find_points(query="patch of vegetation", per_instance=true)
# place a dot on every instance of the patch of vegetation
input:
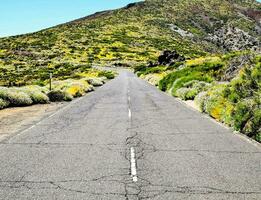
(237, 103)
(15, 97)
(62, 90)
(75, 88)
(3, 104)
(58, 95)
(207, 72)
(191, 89)
(107, 74)
(36, 93)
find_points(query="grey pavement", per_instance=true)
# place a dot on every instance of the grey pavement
(84, 151)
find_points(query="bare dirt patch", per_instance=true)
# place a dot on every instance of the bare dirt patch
(14, 120)
(192, 104)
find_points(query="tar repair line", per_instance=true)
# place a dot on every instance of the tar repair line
(133, 166)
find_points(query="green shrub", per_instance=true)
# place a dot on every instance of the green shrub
(39, 97)
(186, 93)
(37, 88)
(180, 82)
(204, 72)
(14, 97)
(75, 88)
(57, 95)
(198, 85)
(139, 69)
(67, 97)
(190, 84)
(3, 104)
(89, 89)
(36, 93)
(107, 74)
(95, 81)
(200, 101)
(246, 85)
(247, 117)
(191, 89)
(252, 127)
(152, 78)
(217, 106)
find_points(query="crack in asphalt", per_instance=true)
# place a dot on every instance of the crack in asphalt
(143, 190)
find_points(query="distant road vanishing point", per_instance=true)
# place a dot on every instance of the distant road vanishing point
(129, 141)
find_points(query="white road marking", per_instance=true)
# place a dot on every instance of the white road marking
(133, 166)
(129, 113)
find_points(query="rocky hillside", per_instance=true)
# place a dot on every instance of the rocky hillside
(131, 35)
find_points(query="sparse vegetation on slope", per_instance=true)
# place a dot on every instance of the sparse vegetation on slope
(134, 34)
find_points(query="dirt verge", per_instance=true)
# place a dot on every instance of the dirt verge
(14, 120)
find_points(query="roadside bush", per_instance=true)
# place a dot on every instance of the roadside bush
(140, 69)
(57, 95)
(213, 103)
(14, 97)
(37, 88)
(67, 97)
(74, 88)
(152, 78)
(3, 104)
(39, 97)
(247, 84)
(200, 101)
(204, 72)
(90, 88)
(186, 93)
(36, 93)
(219, 108)
(107, 74)
(95, 81)
(247, 117)
(180, 82)
(191, 89)
(198, 85)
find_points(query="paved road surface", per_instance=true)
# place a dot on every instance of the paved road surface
(129, 141)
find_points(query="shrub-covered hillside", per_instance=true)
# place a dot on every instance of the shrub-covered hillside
(134, 34)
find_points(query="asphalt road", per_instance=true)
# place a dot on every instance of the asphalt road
(129, 141)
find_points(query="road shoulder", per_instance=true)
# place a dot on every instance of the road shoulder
(15, 120)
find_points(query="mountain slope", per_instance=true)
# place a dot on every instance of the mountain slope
(134, 34)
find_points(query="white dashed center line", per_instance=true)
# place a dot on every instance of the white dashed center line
(129, 113)
(133, 165)
(132, 151)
